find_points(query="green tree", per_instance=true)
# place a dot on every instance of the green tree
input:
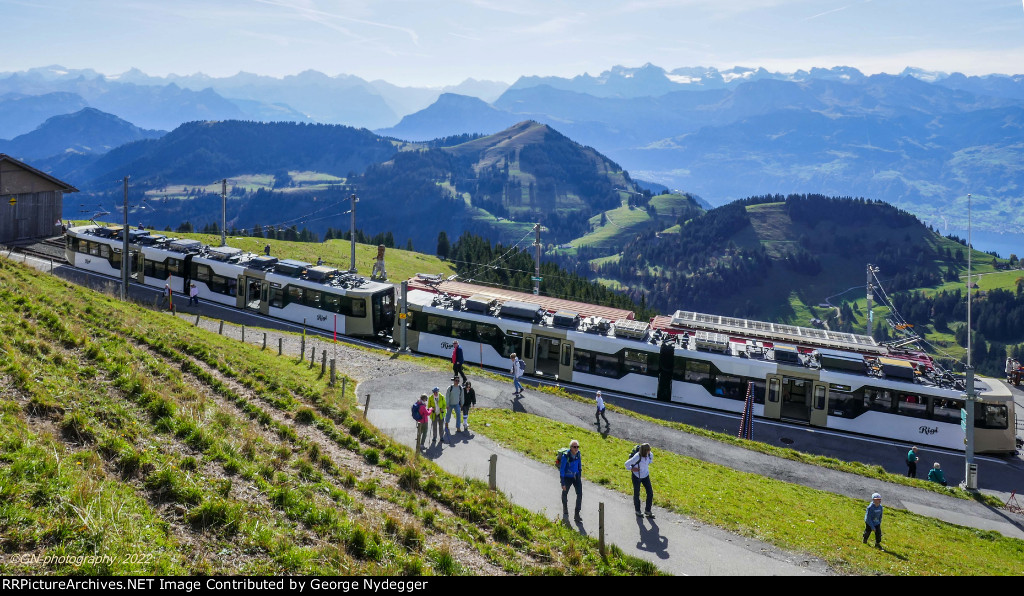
(444, 247)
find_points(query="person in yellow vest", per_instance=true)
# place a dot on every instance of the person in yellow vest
(437, 403)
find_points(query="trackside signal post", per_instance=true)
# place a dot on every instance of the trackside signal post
(124, 246)
(970, 468)
(536, 249)
(352, 228)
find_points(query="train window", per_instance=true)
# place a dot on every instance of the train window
(511, 344)
(819, 397)
(877, 400)
(174, 267)
(201, 272)
(606, 366)
(294, 295)
(845, 404)
(909, 404)
(644, 363)
(437, 325)
(947, 410)
(463, 329)
(487, 334)
(332, 302)
(276, 298)
(698, 371)
(528, 349)
(104, 252)
(990, 416)
(582, 360)
(758, 389)
(223, 285)
(155, 269)
(679, 369)
(357, 307)
(94, 249)
(730, 387)
(313, 298)
(774, 389)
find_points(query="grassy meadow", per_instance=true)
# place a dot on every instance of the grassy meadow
(133, 443)
(791, 516)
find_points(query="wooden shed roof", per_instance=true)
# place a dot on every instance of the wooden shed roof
(64, 186)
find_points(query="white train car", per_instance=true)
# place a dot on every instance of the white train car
(806, 376)
(320, 297)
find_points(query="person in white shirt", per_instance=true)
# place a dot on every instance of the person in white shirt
(600, 411)
(518, 368)
(193, 295)
(639, 465)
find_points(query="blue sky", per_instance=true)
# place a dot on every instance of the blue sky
(435, 42)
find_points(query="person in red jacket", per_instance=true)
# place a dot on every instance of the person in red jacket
(457, 360)
(421, 424)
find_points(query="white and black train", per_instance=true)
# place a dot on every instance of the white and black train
(808, 376)
(321, 297)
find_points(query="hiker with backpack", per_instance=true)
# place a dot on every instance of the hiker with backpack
(600, 411)
(436, 403)
(421, 414)
(639, 464)
(455, 397)
(518, 369)
(457, 361)
(570, 470)
(468, 402)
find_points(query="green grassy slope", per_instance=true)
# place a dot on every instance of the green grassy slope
(134, 443)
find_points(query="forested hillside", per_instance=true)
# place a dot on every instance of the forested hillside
(747, 258)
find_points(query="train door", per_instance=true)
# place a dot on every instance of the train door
(665, 369)
(773, 397)
(796, 399)
(548, 352)
(819, 404)
(529, 340)
(383, 311)
(253, 295)
(565, 361)
(137, 264)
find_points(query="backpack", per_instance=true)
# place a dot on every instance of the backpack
(559, 455)
(416, 411)
(520, 366)
(632, 452)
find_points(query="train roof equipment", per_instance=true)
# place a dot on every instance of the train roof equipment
(320, 273)
(631, 329)
(549, 304)
(224, 253)
(807, 336)
(185, 245)
(291, 267)
(526, 311)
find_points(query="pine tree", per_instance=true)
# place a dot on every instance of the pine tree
(443, 246)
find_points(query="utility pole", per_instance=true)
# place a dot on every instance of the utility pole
(871, 294)
(124, 246)
(224, 212)
(536, 250)
(970, 468)
(352, 229)
(871, 291)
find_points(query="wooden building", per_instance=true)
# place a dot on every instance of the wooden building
(31, 202)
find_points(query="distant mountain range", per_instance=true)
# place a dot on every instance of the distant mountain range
(167, 102)
(279, 173)
(919, 140)
(87, 131)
